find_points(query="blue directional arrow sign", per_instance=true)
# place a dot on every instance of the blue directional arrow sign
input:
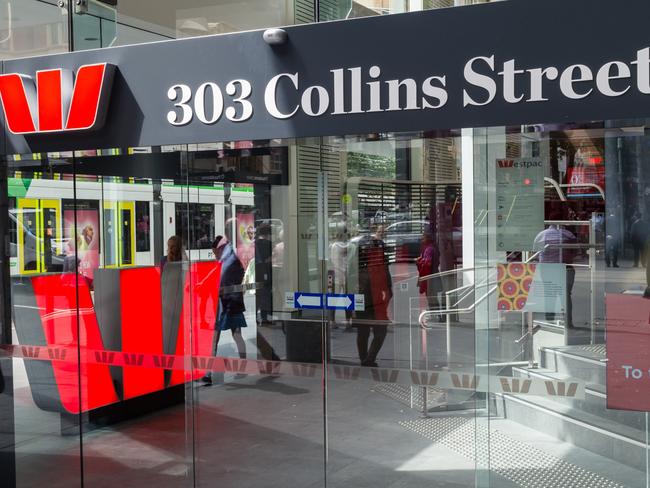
(307, 300)
(334, 301)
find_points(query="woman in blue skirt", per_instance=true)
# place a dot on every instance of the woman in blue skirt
(230, 315)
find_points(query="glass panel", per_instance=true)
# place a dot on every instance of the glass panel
(70, 301)
(39, 391)
(401, 362)
(104, 24)
(259, 411)
(32, 28)
(565, 234)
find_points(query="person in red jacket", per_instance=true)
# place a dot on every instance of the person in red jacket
(377, 287)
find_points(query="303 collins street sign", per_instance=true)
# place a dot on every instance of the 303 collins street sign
(484, 65)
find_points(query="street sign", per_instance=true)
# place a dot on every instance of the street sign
(307, 300)
(334, 301)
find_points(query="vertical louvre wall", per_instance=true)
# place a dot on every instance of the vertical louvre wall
(431, 4)
(303, 11)
(440, 159)
(380, 200)
(310, 160)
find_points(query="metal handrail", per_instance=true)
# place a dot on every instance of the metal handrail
(585, 185)
(444, 273)
(472, 287)
(556, 186)
(426, 313)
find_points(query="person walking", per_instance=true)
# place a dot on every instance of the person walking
(638, 236)
(376, 285)
(230, 315)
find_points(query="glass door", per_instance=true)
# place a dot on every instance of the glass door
(249, 224)
(401, 382)
(38, 229)
(119, 224)
(561, 233)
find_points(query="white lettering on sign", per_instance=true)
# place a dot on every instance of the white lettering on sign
(208, 103)
(360, 90)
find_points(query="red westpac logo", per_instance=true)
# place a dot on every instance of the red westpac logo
(506, 163)
(57, 100)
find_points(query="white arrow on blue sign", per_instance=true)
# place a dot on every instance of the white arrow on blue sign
(334, 301)
(307, 300)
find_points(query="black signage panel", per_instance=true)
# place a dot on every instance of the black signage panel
(513, 62)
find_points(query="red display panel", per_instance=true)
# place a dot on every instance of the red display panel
(203, 280)
(56, 296)
(68, 318)
(141, 315)
(628, 352)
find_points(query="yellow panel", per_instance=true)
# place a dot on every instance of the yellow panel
(22, 204)
(131, 207)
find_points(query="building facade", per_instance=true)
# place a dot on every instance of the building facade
(324, 243)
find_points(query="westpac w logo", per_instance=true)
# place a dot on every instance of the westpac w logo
(506, 163)
(57, 101)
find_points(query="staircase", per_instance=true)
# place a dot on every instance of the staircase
(587, 423)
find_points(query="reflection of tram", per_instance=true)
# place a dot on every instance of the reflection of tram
(111, 223)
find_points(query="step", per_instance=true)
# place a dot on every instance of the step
(594, 402)
(620, 443)
(585, 363)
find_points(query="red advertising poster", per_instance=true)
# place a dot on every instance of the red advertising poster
(245, 237)
(85, 237)
(585, 175)
(628, 352)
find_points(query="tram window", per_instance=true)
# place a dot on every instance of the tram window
(201, 224)
(125, 215)
(142, 226)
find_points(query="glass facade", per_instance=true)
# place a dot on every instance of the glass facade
(459, 307)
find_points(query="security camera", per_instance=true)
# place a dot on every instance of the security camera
(275, 37)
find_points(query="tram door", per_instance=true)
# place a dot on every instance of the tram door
(39, 231)
(119, 229)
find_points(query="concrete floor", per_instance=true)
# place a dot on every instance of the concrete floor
(270, 431)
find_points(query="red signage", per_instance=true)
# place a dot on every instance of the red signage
(628, 352)
(67, 318)
(57, 101)
(582, 179)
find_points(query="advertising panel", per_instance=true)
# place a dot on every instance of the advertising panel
(628, 352)
(531, 287)
(520, 202)
(82, 236)
(245, 237)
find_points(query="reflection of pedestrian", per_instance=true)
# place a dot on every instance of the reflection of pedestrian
(230, 315)
(549, 242)
(428, 263)
(376, 286)
(612, 241)
(645, 261)
(175, 251)
(263, 253)
(142, 232)
(638, 236)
